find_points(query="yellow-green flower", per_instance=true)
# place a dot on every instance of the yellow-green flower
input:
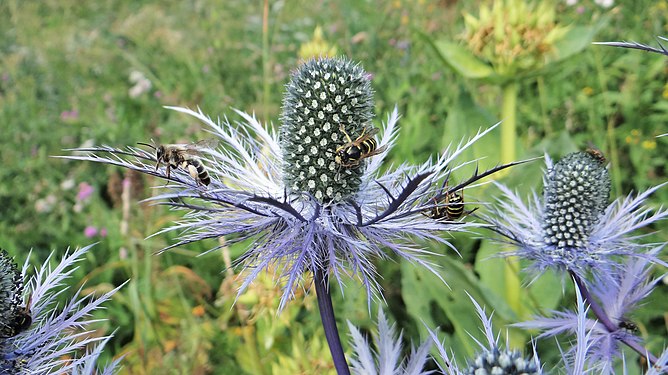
(317, 47)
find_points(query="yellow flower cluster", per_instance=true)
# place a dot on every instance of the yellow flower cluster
(513, 35)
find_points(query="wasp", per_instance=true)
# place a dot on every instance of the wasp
(351, 154)
(18, 320)
(450, 207)
(186, 157)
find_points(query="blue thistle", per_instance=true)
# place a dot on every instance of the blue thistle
(574, 228)
(47, 334)
(306, 210)
(492, 359)
(298, 226)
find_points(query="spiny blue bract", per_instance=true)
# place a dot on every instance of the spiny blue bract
(324, 97)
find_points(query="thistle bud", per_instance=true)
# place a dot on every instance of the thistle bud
(502, 362)
(328, 103)
(577, 190)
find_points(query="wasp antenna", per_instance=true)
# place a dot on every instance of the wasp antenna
(146, 144)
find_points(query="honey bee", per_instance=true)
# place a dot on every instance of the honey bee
(351, 154)
(450, 207)
(18, 321)
(184, 156)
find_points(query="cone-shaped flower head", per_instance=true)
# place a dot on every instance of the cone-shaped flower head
(502, 362)
(574, 228)
(327, 101)
(576, 194)
(309, 199)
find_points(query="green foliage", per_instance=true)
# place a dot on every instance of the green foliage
(76, 73)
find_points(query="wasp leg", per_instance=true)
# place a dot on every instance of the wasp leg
(346, 134)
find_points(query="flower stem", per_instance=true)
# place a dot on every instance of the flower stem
(508, 145)
(329, 322)
(265, 59)
(604, 319)
(509, 124)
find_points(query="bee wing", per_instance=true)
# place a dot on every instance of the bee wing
(209, 143)
(195, 148)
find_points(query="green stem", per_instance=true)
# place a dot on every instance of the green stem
(509, 124)
(265, 60)
(508, 147)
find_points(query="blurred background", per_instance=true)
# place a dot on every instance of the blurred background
(78, 74)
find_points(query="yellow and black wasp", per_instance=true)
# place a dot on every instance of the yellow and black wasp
(450, 207)
(351, 154)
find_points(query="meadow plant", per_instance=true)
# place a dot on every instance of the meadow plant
(39, 337)
(573, 230)
(383, 355)
(307, 210)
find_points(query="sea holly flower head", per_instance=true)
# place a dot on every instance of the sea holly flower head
(47, 333)
(328, 102)
(492, 358)
(573, 228)
(310, 200)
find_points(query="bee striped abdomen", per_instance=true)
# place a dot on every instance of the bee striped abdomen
(202, 174)
(196, 169)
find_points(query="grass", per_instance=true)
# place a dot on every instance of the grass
(65, 81)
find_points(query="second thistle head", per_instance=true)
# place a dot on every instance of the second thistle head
(577, 190)
(328, 106)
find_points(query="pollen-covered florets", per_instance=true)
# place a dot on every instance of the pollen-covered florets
(577, 190)
(502, 362)
(327, 101)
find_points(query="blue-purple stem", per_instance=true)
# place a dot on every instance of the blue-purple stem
(604, 319)
(329, 322)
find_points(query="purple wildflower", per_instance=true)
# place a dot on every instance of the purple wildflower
(85, 191)
(286, 191)
(90, 231)
(573, 228)
(37, 334)
(307, 209)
